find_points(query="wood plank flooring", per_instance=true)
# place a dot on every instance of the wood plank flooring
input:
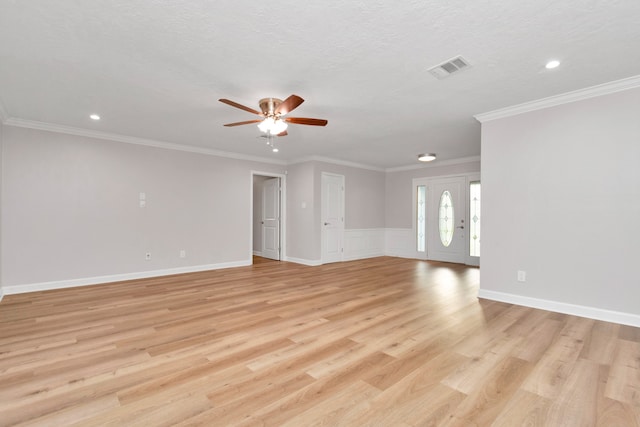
(377, 342)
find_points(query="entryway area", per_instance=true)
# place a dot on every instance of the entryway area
(447, 218)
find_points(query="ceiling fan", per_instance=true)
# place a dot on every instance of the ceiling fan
(272, 112)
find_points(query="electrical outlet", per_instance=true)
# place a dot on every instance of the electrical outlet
(183, 254)
(147, 256)
(522, 276)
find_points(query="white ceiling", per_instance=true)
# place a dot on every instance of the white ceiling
(155, 69)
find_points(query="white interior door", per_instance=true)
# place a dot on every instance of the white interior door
(271, 219)
(446, 216)
(332, 217)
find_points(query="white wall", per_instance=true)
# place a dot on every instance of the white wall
(1, 191)
(70, 209)
(71, 215)
(561, 201)
(303, 244)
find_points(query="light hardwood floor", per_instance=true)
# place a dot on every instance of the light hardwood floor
(377, 342)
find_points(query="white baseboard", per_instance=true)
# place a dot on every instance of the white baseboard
(309, 262)
(1, 294)
(257, 253)
(61, 284)
(561, 307)
(361, 256)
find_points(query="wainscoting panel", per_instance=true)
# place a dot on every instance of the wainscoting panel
(399, 242)
(364, 243)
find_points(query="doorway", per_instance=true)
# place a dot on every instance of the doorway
(441, 219)
(267, 215)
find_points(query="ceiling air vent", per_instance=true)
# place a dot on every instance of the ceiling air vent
(449, 67)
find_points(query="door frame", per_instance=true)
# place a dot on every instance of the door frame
(283, 211)
(274, 186)
(427, 180)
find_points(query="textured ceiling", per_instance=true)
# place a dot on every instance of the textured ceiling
(155, 69)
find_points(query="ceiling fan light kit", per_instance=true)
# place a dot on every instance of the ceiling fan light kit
(272, 125)
(272, 112)
(427, 157)
(554, 63)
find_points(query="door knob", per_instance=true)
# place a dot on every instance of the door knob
(326, 223)
(462, 226)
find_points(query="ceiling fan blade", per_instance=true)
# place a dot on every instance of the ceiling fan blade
(283, 133)
(305, 121)
(289, 104)
(248, 122)
(240, 106)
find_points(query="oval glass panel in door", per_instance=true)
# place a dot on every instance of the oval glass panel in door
(445, 218)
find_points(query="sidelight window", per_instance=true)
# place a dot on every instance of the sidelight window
(421, 218)
(474, 215)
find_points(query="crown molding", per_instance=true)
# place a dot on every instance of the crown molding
(32, 124)
(89, 133)
(436, 163)
(565, 98)
(335, 162)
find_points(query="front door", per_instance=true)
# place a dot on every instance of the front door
(271, 219)
(332, 217)
(445, 226)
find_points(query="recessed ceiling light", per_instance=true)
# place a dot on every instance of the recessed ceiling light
(275, 150)
(94, 117)
(427, 157)
(552, 64)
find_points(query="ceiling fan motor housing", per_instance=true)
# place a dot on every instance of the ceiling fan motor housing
(268, 106)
